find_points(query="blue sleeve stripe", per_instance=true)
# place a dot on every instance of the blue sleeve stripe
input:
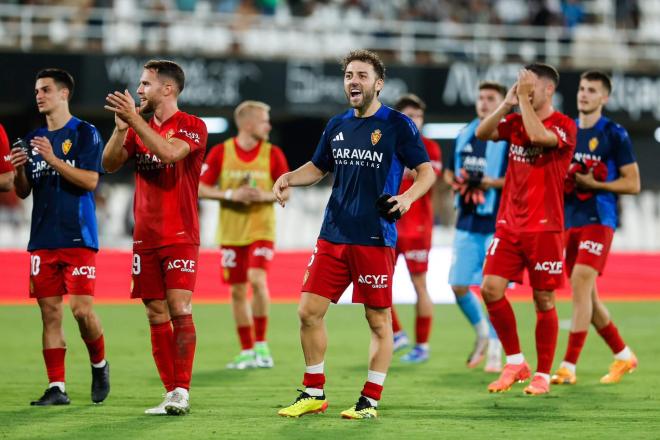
(87, 219)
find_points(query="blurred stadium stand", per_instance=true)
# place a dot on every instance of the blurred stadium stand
(285, 52)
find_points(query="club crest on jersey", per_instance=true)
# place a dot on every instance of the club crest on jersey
(375, 136)
(169, 134)
(593, 144)
(66, 146)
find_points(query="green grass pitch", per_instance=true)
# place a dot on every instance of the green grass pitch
(439, 399)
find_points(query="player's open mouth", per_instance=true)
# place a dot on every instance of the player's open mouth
(355, 93)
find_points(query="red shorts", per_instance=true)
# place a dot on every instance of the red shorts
(416, 252)
(541, 253)
(333, 267)
(157, 270)
(589, 245)
(236, 260)
(56, 272)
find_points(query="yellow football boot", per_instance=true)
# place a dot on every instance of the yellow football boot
(305, 404)
(361, 410)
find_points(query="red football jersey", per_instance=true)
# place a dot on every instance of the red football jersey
(419, 220)
(213, 163)
(5, 162)
(533, 194)
(165, 204)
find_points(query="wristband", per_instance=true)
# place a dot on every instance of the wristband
(227, 195)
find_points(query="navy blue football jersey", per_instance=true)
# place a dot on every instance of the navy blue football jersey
(367, 156)
(609, 143)
(63, 214)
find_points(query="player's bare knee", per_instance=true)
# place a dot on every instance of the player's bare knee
(379, 320)
(309, 317)
(544, 300)
(81, 313)
(459, 291)
(491, 292)
(239, 292)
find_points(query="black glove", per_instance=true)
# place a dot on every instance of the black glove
(474, 179)
(384, 207)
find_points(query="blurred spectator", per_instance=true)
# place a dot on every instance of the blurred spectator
(573, 11)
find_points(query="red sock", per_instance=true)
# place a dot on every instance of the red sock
(575, 344)
(423, 328)
(396, 325)
(260, 326)
(612, 337)
(162, 348)
(372, 390)
(96, 349)
(547, 329)
(504, 320)
(245, 336)
(185, 341)
(54, 358)
(314, 380)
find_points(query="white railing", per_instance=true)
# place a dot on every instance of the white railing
(30, 28)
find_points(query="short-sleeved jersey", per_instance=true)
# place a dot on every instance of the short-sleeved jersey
(609, 143)
(470, 154)
(5, 158)
(533, 194)
(418, 222)
(367, 156)
(165, 204)
(63, 214)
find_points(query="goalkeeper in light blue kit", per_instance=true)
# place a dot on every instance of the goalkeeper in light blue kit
(476, 172)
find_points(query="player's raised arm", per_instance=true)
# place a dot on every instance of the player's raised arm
(487, 128)
(167, 150)
(306, 175)
(114, 153)
(538, 134)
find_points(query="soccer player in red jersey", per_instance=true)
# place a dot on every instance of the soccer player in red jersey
(530, 221)
(591, 218)
(61, 169)
(168, 152)
(240, 173)
(6, 168)
(415, 231)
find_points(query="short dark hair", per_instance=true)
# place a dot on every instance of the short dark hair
(597, 75)
(366, 56)
(410, 100)
(170, 69)
(61, 77)
(493, 85)
(543, 70)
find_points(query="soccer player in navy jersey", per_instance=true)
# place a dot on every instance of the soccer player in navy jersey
(367, 148)
(61, 171)
(591, 217)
